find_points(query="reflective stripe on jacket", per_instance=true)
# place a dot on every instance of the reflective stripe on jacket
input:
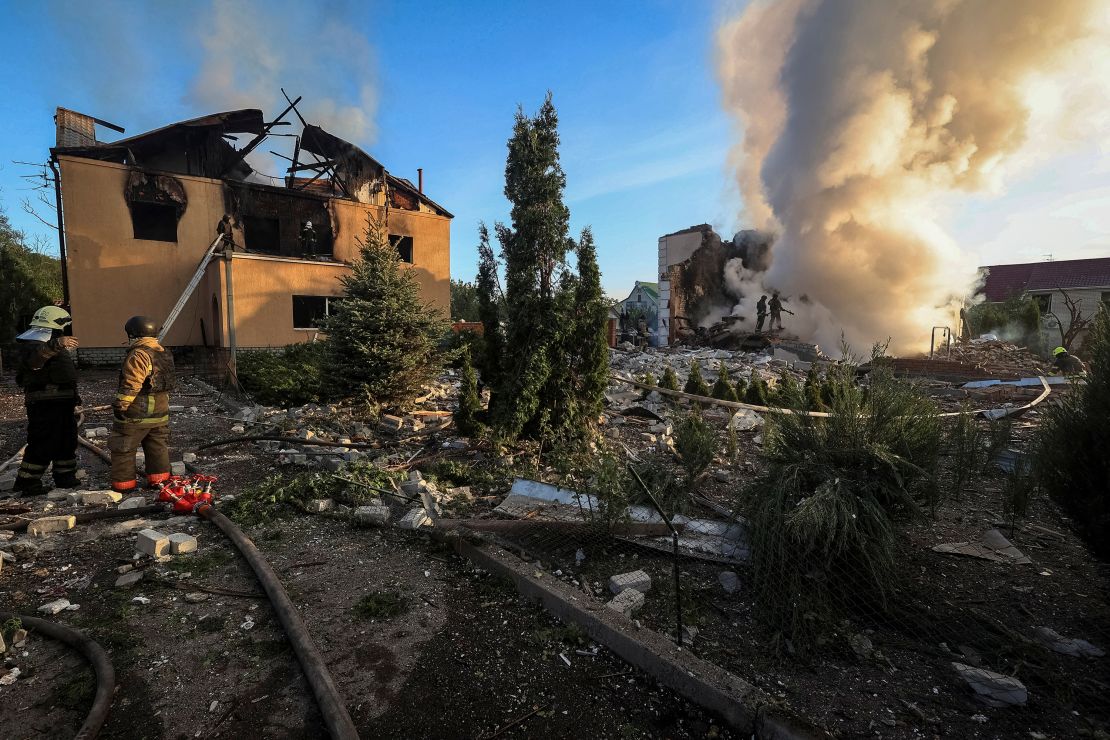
(145, 380)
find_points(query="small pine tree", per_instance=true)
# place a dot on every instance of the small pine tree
(696, 442)
(695, 384)
(670, 379)
(788, 394)
(647, 379)
(740, 389)
(756, 393)
(812, 390)
(466, 418)
(382, 340)
(722, 389)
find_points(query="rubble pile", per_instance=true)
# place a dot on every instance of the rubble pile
(999, 358)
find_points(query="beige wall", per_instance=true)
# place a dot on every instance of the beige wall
(114, 276)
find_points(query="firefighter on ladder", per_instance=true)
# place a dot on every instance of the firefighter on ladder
(48, 377)
(142, 408)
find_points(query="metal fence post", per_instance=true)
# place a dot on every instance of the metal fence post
(674, 539)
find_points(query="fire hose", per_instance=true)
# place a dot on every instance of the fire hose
(102, 666)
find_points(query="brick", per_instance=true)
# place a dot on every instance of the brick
(49, 524)
(95, 498)
(627, 602)
(414, 519)
(318, 505)
(372, 516)
(152, 542)
(393, 423)
(181, 543)
(129, 579)
(132, 503)
(637, 580)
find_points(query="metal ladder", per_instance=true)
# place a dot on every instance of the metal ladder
(189, 289)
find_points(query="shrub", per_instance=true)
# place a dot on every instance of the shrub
(812, 391)
(1070, 452)
(788, 394)
(466, 417)
(661, 481)
(756, 392)
(695, 384)
(292, 377)
(670, 379)
(966, 445)
(696, 443)
(824, 512)
(741, 389)
(722, 389)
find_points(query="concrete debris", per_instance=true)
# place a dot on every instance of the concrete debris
(320, 505)
(19, 638)
(196, 597)
(992, 545)
(189, 457)
(132, 503)
(140, 600)
(152, 542)
(95, 498)
(178, 468)
(10, 677)
(96, 432)
(55, 607)
(181, 543)
(730, 582)
(129, 579)
(1067, 646)
(637, 579)
(3, 645)
(50, 524)
(238, 429)
(744, 420)
(627, 602)
(993, 689)
(374, 515)
(862, 646)
(414, 519)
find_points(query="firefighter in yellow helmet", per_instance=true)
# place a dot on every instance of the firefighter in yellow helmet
(48, 376)
(142, 407)
(1066, 363)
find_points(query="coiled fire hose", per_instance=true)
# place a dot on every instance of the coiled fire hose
(105, 674)
(334, 711)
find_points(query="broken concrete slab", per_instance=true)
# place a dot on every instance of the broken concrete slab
(50, 524)
(637, 579)
(627, 602)
(132, 503)
(181, 543)
(1065, 645)
(129, 579)
(55, 607)
(152, 542)
(178, 468)
(729, 581)
(414, 519)
(373, 515)
(991, 546)
(95, 498)
(993, 689)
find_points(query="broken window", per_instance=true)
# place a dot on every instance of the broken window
(404, 247)
(261, 234)
(156, 222)
(309, 309)
(1106, 301)
(1044, 302)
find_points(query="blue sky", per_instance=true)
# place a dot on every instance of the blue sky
(645, 140)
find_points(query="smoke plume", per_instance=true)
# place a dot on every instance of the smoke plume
(862, 118)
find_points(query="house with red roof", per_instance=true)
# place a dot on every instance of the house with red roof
(1086, 281)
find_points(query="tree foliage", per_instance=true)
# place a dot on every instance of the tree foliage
(29, 280)
(722, 389)
(1070, 460)
(382, 339)
(695, 383)
(464, 301)
(552, 320)
(466, 418)
(670, 379)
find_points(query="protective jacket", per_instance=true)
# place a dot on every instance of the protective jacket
(1069, 364)
(46, 372)
(145, 382)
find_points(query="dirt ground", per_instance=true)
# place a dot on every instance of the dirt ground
(197, 650)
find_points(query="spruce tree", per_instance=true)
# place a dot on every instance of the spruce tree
(722, 389)
(588, 350)
(740, 388)
(756, 393)
(788, 394)
(490, 303)
(670, 379)
(695, 384)
(812, 390)
(470, 405)
(382, 343)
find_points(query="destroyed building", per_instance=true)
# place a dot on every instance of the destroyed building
(139, 215)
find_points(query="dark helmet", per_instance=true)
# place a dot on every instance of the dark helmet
(141, 326)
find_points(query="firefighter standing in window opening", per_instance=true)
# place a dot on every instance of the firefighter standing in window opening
(142, 407)
(48, 377)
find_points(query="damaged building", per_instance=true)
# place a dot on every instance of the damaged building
(141, 213)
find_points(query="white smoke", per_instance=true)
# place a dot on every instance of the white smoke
(860, 117)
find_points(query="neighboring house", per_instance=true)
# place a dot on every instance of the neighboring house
(141, 212)
(1086, 281)
(641, 303)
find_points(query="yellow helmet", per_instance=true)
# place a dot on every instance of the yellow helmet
(51, 317)
(1058, 351)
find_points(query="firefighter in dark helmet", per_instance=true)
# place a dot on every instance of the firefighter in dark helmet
(48, 377)
(142, 407)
